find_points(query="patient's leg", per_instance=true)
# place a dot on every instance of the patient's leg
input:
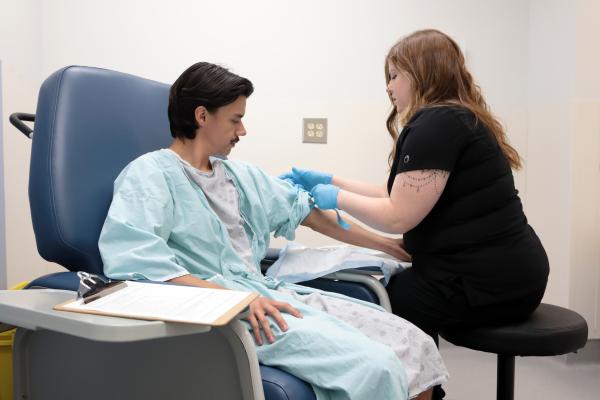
(417, 351)
(336, 359)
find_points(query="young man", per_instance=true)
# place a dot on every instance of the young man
(186, 215)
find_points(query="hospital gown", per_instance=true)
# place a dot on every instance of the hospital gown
(160, 226)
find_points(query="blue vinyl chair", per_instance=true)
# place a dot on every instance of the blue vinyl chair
(89, 124)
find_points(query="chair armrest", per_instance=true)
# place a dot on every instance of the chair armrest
(362, 276)
(270, 258)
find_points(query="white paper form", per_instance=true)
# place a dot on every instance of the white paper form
(166, 302)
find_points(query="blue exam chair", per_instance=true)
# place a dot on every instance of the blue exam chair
(89, 124)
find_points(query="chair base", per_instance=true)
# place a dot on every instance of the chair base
(550, 330)
(505, 378)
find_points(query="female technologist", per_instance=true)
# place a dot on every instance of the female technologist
(450, 191)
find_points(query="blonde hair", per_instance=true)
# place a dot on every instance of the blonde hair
(436, 68)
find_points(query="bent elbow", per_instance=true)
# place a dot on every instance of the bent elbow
(402, 225)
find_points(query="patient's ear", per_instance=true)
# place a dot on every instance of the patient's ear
(200, 115)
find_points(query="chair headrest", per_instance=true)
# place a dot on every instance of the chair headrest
(90, 123)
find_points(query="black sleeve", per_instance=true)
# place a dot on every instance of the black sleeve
(434, 139)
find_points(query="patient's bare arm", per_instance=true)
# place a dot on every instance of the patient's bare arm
(191, 280)
(325, 222)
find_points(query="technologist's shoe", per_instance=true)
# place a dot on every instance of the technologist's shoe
(438, 393)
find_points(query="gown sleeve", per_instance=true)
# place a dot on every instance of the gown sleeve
(285, 205)
(133, 241)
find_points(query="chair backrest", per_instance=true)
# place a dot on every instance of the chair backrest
(89, 124)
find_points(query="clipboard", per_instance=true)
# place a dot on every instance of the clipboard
(158, 302)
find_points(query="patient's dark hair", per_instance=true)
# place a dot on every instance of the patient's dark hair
(202, 84)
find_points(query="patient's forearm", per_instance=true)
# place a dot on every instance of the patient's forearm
(325, 222)
(191, 280)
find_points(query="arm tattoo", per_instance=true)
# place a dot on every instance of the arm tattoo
(417, 182)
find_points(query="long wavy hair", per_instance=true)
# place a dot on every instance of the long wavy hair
(436, 69)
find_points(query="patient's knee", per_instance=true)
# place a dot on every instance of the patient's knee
(384, 370)
(383, 361)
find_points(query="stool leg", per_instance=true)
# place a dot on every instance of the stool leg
(505, 380)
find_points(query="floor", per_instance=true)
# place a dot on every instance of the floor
(473, 376)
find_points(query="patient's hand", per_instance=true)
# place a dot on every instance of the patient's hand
(263, 307)
(396, 249)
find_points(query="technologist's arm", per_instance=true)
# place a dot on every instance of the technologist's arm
(325, 222)
(358, 187)
(413, 196)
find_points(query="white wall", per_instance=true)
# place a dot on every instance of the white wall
(325, 59)
(307, 59)
(551, 84)
(585, 160)
(21, 61)
(563, 170)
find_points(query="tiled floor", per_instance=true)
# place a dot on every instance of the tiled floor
(473, 377)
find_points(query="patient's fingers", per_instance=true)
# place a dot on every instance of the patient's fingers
(403, 255)
(259, 309)
(288, 308)
(264, 322)
(399, 250)
(276, 315)
(255, 328)
(263, 307)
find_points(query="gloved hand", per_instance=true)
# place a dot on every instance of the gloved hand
(306, 178)
(325, 196)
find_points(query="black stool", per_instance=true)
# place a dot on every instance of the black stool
(549, 331)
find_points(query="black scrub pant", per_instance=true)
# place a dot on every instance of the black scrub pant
(420, 301)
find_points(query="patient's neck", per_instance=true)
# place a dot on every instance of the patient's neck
(193, 152)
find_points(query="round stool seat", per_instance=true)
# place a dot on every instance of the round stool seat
(550, 330)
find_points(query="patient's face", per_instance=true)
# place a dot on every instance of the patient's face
(223, 128)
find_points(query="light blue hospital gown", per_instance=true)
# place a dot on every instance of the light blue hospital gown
(161, 226)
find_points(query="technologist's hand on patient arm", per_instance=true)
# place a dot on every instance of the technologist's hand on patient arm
(259, 310)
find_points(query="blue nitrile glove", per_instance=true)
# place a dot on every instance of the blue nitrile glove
(325, 196)
(307, 178)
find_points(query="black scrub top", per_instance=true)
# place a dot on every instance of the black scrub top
(476, 238)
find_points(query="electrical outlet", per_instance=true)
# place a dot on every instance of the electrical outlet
(314, 130)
